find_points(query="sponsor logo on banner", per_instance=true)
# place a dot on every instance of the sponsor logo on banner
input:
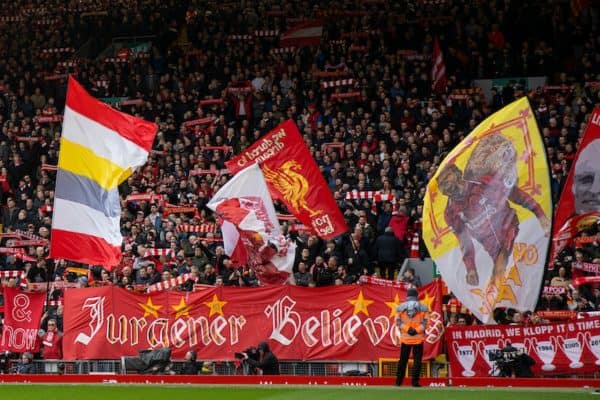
(358, 323)
(486, 214)
(559, 348)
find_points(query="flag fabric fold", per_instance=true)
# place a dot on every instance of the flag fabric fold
(438, 69)
(308, 34)
(486, 214)
(294, 178)
(251, 232)
(100, 147)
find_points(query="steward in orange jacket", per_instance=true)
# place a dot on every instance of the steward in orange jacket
(411, 318)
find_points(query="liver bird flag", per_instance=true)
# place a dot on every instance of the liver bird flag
(486, 217)
(99, 148)
(294, 178)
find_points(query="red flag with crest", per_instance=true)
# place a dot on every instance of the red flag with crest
(294, 178)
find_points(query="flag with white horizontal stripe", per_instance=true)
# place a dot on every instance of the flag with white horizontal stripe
(99, 148)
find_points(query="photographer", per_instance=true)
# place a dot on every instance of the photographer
(513, 362)
(523, 364)
(267, 362)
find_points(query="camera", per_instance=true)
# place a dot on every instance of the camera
(504, 361)
(253, 354)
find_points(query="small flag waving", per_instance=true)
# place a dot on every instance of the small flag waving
(251, 233)
(438, 70)
(308, 34)
(99, 149)
(581, 193)
(486, 214)
(294, 178)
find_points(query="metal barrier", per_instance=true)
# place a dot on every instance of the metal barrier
(305, 368)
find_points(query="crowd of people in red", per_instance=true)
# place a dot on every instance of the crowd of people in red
(215, 79)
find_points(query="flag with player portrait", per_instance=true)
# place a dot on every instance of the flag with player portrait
(581, 193)
(486, 217)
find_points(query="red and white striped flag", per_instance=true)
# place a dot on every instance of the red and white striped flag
(438, 69)
(308, 34)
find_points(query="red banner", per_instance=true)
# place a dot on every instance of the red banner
(581, 193)
(294, 178)
(23, 312)
(355, 323)
(558, 348)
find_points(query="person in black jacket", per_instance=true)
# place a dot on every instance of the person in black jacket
(191, 366)
(389, 253)
(267, 362)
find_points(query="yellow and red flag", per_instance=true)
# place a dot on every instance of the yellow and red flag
(294, 178)
(486, 217)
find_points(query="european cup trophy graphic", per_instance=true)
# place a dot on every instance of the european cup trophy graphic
(466, 356)
(545, 350)
(593, 343)
(573, 348)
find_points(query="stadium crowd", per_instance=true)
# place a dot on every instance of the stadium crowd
(220, 63)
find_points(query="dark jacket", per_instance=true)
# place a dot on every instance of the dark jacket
(268, 363)
(388, 249)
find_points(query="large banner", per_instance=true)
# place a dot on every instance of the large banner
(560, 348)
(581, 193)
(486, 214)
(22, 315)
(294, 178)
(333, 323)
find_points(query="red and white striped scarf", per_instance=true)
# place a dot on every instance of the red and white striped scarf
(376, 196)
(283, 50)
(338, 83)
(266, 33)
(159, 252)
(169, 284)
(202, 228)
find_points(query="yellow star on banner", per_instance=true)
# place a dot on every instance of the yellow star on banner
(216, 306)
(393, 305)
(428, 300)
(149, 308)
(361, 304)
(182, 309)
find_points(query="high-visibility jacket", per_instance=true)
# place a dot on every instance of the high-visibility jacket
(412, 314)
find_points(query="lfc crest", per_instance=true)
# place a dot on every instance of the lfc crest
(292, 185)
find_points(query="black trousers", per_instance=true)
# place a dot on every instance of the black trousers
(417, 352)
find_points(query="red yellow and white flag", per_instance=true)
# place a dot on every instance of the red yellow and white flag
(486, 217)
(99, 148)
